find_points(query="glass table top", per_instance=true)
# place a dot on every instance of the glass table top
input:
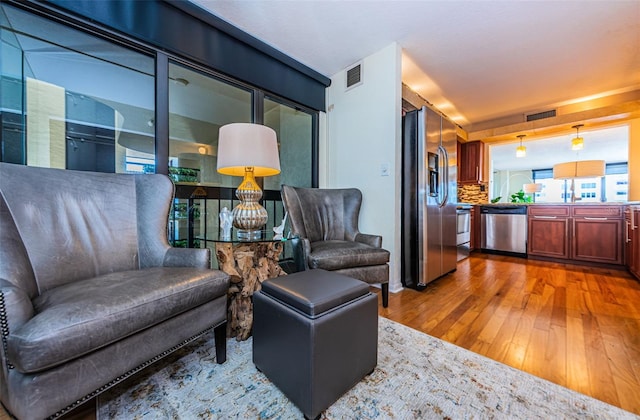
(263, 236)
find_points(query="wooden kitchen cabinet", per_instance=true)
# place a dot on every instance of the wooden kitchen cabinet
(597, 234)
(578, 233)
(549, 231)
(471, 162)
(632, 240)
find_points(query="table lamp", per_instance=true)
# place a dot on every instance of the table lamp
(248, 150)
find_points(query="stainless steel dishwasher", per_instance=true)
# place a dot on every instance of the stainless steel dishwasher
(503, 229)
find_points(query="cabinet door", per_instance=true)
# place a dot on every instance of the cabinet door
(471, 162)
(598, 239)
(634, 245)
(548, 237)
(628, 239)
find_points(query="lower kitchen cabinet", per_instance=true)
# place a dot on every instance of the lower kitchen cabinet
(632, 240)
(549, 238)
(548, 231)
(581, 233)
(597, 234)
(597, 240)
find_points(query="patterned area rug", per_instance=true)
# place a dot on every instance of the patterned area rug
(418, 376)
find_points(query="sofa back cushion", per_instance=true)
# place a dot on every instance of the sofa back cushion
(74, 225)
(323, 214)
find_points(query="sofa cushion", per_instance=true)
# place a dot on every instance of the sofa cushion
(80, 317)
(334, 255)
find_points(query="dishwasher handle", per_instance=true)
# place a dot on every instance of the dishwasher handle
(503, 210)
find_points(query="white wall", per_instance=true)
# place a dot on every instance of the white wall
(634, 160)
(361, 132)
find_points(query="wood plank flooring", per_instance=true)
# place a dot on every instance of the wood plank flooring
(575, 326)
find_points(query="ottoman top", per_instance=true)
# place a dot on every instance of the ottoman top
(315, 291)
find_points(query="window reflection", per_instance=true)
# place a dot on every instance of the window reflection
(88, 101)
(294, 130)
(198, 106)
(613, 187)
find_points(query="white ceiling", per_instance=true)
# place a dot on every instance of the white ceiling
(476, 60)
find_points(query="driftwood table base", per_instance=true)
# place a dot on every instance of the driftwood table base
(248, 264)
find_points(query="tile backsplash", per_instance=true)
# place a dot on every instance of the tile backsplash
(473, 193)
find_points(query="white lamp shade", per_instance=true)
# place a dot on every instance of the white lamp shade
(579, 169)
(242, 145)
(532, 188)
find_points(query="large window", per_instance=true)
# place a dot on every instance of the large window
(612, 187)
(71, 100)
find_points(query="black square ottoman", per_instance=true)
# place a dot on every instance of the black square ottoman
(315, 335)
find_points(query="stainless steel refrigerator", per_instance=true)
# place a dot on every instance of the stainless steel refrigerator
(429, 197)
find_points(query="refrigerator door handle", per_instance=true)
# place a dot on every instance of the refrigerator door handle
(444, 180)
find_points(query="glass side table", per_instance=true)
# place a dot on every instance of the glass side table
(249, 262)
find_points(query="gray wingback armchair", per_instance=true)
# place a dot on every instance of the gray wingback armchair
(90, 290)
(325, 221)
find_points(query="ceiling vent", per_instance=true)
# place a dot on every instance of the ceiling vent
(541, 115)
(354, 76)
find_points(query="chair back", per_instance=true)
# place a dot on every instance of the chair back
(68, 225)
(323, 214)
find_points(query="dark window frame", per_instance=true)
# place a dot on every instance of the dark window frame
(78, 15)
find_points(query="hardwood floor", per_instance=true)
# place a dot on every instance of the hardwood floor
(573, 325)
(576, 326)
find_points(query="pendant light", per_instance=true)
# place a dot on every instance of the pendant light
(578, 142)
(521, 151)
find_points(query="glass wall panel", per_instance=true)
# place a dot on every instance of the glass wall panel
(198, 106)
(72, 100)
(294, 129)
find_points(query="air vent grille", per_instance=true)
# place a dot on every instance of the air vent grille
(541, 115)
(354, 75)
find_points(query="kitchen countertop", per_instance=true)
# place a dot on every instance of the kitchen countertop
(629, 203)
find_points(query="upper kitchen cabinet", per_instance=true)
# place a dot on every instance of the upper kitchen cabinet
(471, 162)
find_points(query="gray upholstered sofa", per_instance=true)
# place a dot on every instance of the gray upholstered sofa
(90, 290)
(325, 225)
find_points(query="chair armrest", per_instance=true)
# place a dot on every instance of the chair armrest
(187, 257)
(15, 306)
(301, 248)
(372, 240)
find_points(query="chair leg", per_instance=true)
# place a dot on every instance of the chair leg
(385, 295)
(220, 337)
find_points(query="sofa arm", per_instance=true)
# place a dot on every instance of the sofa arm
(187, 257)
(15, 307)
(371, 240)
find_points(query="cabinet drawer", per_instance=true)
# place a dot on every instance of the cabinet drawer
(597, 211)
(548, 211)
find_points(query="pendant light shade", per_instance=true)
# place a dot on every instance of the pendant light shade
(521, 151)
(579, 169)
(578, 142)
